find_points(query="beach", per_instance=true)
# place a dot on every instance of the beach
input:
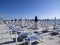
(26, 30)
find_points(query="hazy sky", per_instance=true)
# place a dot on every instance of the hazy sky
(29, 8)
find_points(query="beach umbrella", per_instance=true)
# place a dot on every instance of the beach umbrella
(47, 23)
(36, 20)
(54, 23)
(11, 20)
(15, 20)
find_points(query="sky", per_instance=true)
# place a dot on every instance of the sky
(11, 9)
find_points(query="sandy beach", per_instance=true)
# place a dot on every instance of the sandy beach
(46, 37)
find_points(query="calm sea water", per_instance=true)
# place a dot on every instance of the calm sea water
(50, 21)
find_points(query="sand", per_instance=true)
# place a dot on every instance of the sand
(47, 39)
